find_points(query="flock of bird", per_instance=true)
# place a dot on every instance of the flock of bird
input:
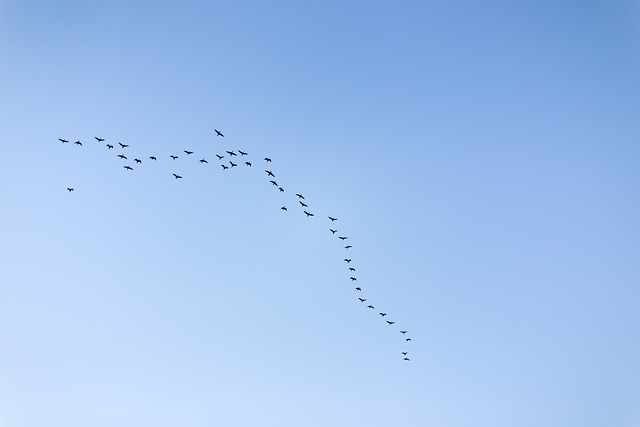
(226, 163)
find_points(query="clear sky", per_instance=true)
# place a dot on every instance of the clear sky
(482, 157)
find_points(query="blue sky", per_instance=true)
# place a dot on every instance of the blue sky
(482, 158)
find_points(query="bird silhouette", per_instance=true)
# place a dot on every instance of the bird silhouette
(333, 231)
(78, 143)
(62, 140)
(188, 152)
(342, 237)
(122, 156)
(362, 299)
(203, 161)
(247, 163)
(153, 158)
(352, 269)
(348, 260)
(128, 167)
(353, 279)
(123, 145)
(176, 176)
(233, 165)
(137, 160)
(300, 196)
(408, 339)
(281, 189)
(173, 157)
(403, 332)
(231, 153)
(348, 247)
(407, 359)
(358, 289)
(224, 167)
(218, 133)
(109, 146)
(383, 314)
(390, 322)
(99, 139)
(266, 159)
(308, 214)
(274, 183)
(284, 208)
(269, 173)
(303, 204)
(242, 153)
(219, 157)
(370, 306)
(69, 189)
(333, 219)
(404, 353)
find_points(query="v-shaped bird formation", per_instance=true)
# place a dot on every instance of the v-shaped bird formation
(226, 165)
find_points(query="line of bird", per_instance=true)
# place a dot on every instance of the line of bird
(270, 175)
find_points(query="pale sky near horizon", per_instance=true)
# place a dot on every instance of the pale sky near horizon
(483, 159)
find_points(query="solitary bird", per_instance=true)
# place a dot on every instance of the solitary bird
(303, 204)
(137, 160)
(177, 176)
(99, 139)
(308, 214)
(333, 219)
(153, 158)
(247, 163)
(267, 159)
(69, 189)
(123, 145)
(173, 157)
(109, 146)
(390, 322)
(358, 289)
(284, 208)
(233, 164)
(122, 156)
(353, 279)
(203, 161)
(342, 237)
(383, 314)
(242, 153)
(78, 143)
(128, 167)
(218, 133)
(219, 157)
(231, 153)
(269, 173)
(300, 196)
(188, 152)
(348, 247)
(333, 231)
(348, 260)
(62, 140)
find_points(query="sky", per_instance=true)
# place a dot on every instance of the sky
(483, 159)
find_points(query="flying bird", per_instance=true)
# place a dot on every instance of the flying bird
(348, 260)
(128, 167)
(358, 289)
(281, 189)
(177, 176)
(242, 153)
(188, 152)
(383, 314)
(404, 353)
(348, 247)
(99, 139)
(308, 214)
(302, 204)
(333, 219)
(407, 359)
(353, 279)
(219, 157)
(78, 143)
(408, 339)
(231, 153)
(274, 183)
(333, 231)
(370, 306)
(224, 167)
(109, 146)
(218, 133)
(352, 269)
(267, 159)
(362, 299)
(62, 140)
(203, 161)
(232, 164)
(284, 208)
(390, 322)
(403, 332)
(342, 237)
(269, 173)
(137, 160)
(153, 158)
(122, 156)
(247, 163)
(123, 145)
(300, 196)
(69, 189)
(173, 157)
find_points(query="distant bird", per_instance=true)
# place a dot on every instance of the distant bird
(69, 189)
(122, 156)
(358, 289)
(362, 299)
(269, 173)
(333, 231)
(408, 339)
(303, 204)
(99, 139)
(383, 314)
(333, 219)
(188, 152)
(123, 145)
(173, 157)
(219, 157)
(403, 332)
(274, 183)
(281, 189)
(224, 167)
(348, 247)
(247, 163)
(128, 167)
(203, 161)
(407, 359)
(109, 146)
(284, 208)
(390, 322)
(370, 306)
(218, 133)
(353, 279)
(242, 153)
(78, 143)
(153, 158)
(177, 176)
(231, 153)
(137, 160)
(348, 260)
(342, 237)
(62, 140)
(300, 196)
(308, 214)
(232, 164)
(267, 159)
(352, 269)
(404, 353)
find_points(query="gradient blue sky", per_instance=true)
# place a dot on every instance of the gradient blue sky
(482, 157)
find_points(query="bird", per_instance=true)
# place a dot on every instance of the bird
(403, 332)
(242, 153)
(62, 140)
(78, 143)
(348, 247)
(123, 145)
(188, 152)
(353, 279)
(173, 157)
(333, 231)
(362, 299)
(218, 133)
(109, 146)
(137, 160)
(404, 353)
(231, 153)
(274, 183)
(342, 237)
(122, 156)
(348, 260)
(407, 359)
(383, 314)
(232, 164)
(177, 176)
(284, 208)
(128, 167)
(247, 163)
(99, 139)
(281, 189)
(390, 322)
(224, 167)
(333, 219)
(352, 269)
(203, 161)
(69, 189)
(219, 157)
(370, 306)
(308, 214)
(302, 204)
(408, 339)
(153, 158)
(358, 289)
(267, 159)
(300, 196)
(269, 173)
